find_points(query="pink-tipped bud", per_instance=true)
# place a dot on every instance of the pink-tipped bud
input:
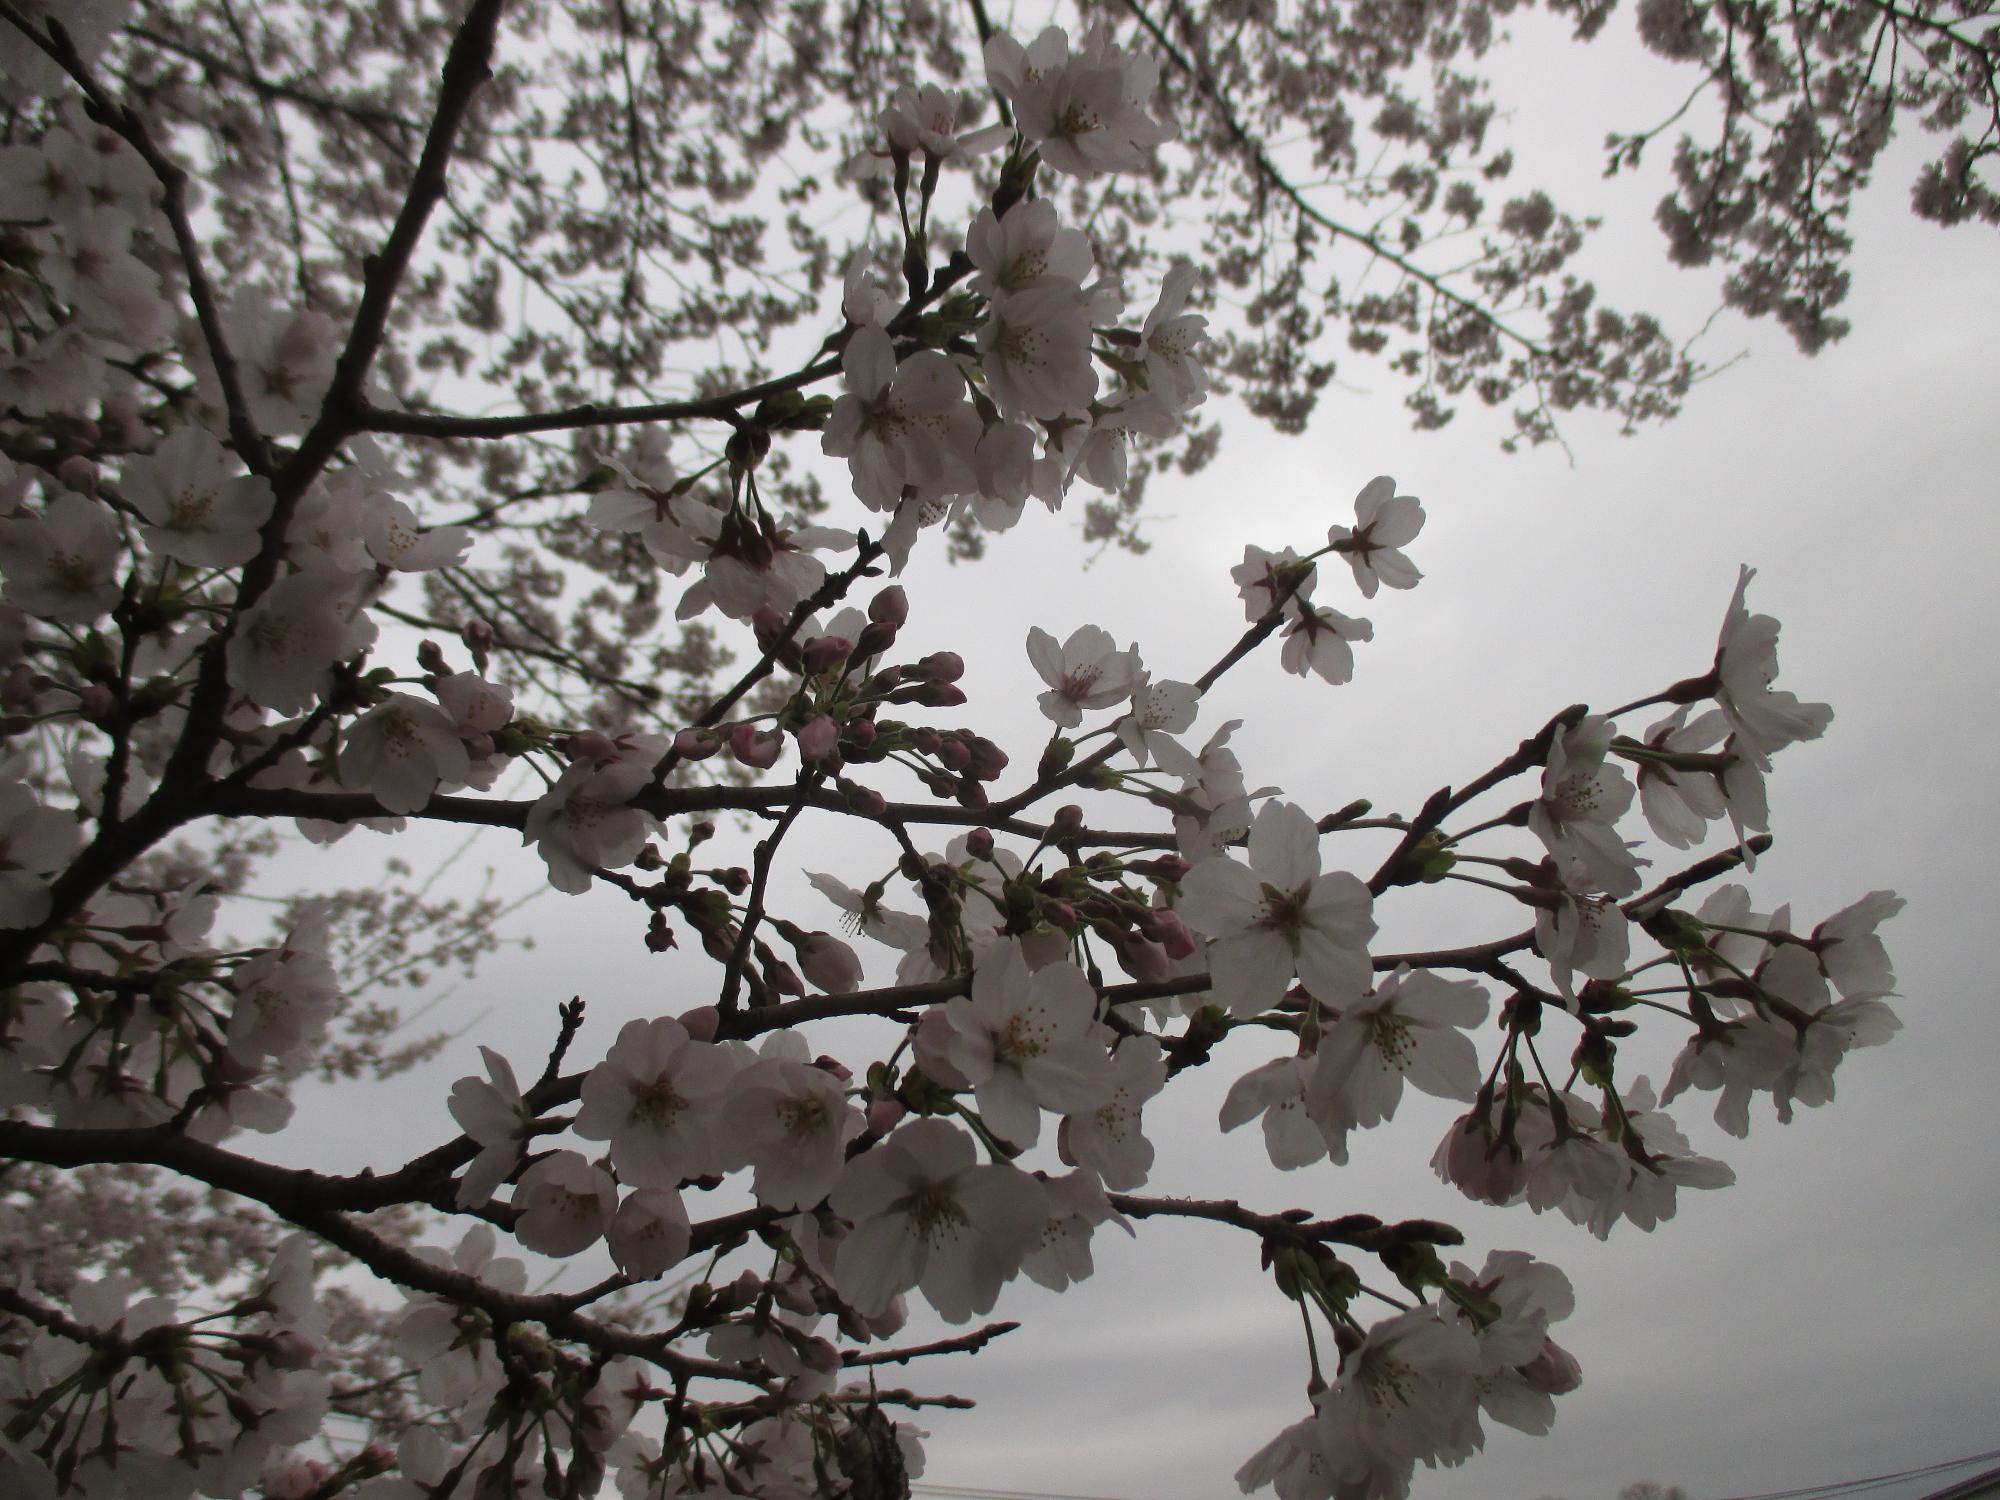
(825, 652)
(96, 702)
(1143, 959)
(864, 799)
(954, 754)
(783, 978)
(860, 733)
(940, 666)
(754, 747)
(925, 740)
(696, 744)
(939, 695)
(834, 1067)
(818, 738)
(1554, 1371)
(890, 606)
(1067, 822)
(884, 1115)
(979, 843)
(1171, 932)
(988, 759)
(430, 656)
(768, 625)
(701, 1022)
(478, 637)
(828, 963)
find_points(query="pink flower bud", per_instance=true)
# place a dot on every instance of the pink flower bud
(754, 747)
(1143, 959)
(874, 640)
(430, 656)
(783, 978)
(979, 843)
(696, 744)
(592, 745)
(794, 1294)
(925, 740)
(1067, 822)
(96, 702)
(939, 695)
(940, 666)
(1554, 1371)
(890, 606)
(828, 963)
(954, 755)
(833, 1066)
(824, 653)
(701, 1022)
(884, 1115)
(768, 625)
(864, 799)
(478, 636)
(1174, 935)
(861, 733)
(988, 759)
(818, 738)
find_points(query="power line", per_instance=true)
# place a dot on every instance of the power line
(1839, 1488)
(1876, 1481)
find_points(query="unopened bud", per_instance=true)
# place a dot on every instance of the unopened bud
(890, 606)
(979, 843)
(818, 738)
(96, 702)
(864, 799)
(430, 656)
(701, 1022)
(940, 666)
(1067, 822)
(754, 747)
(696, 744)
(884, 1115)
(824, 653)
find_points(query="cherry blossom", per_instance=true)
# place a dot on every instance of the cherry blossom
(1294, 1136)
(62, 563)
(1384, 523)
(1025, 1041)
(1085, 671)
(1410, 1026)
(200, 511)
(656, 1098)
(901, 424)
(1766, 719)
(792, 1121)
(402, 750)
(926, 1215)
(1279, 917)
(1576, 816)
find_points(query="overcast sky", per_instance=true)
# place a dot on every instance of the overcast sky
(1832, 1315)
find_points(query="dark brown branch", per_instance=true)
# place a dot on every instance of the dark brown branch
(965, 1343)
